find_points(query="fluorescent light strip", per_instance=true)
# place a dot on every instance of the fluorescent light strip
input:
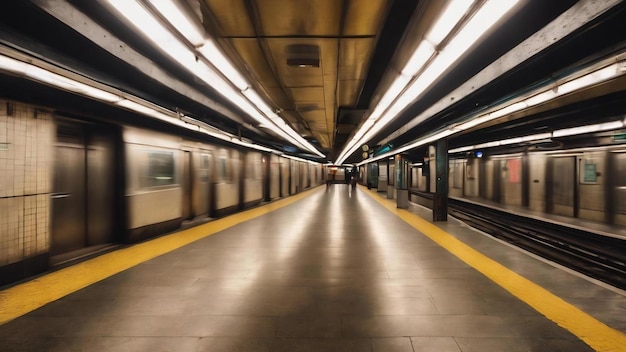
(300, 159)
(131, 103)
(597, 76)
(555, 134)
(482, 20)
(53, 79)
(607, 126)
(507, 156)
(213, 54)
(251, 95)
(529, 138)
(453, 13)
(145, 22)
(600, 127)
(178, 18)
(154, 112)
(217, 59)
(212, 131)
(461, 149)
(568, 85)
(420, 56)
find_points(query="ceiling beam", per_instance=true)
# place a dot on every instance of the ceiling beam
(83, 24)
(567, 23)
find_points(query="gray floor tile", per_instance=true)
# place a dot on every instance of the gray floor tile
(100, 344)
(392, 344)
(439, 344)
(228, 344)
(521, 345)
(328, 273)
(320, 326)
(317, 345)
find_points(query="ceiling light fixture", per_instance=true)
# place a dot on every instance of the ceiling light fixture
(234, 87)
(42, 75)
(574, 131)
(180, 19)
(607, 126)
(429, 62)
(211, 52)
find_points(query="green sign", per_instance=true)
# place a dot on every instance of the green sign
(619, 137)
(590, 173)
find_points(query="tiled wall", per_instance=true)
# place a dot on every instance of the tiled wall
(26, 146)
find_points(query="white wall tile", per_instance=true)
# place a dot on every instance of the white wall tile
(25, 171)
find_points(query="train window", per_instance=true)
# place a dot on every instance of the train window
(224, 169)
(514, 169)
(457, 173)
(203, 170)
(160, 170)
(588, 171)
(253, 166)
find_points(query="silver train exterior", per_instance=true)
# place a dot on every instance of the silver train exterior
(587, 183)
(171, 180)
(72, 187)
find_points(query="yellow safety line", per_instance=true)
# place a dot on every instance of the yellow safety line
(26, 297)
(596, 334)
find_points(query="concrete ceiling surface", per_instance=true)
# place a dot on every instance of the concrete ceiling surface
(266, 34)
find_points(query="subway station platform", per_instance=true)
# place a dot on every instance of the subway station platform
(330, 269)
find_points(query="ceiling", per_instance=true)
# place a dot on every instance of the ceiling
(322, 65)
(274, 39)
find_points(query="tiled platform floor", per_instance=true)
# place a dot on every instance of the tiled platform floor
(334, 271)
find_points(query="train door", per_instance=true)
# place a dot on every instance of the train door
(372, 175)
(68, 197)
(187, 186)
(303, 173)
(562, 186)
(511, 181)
(619, 177)
(266, 161)
(201, 190)
(284, 177)
(84, 189)
(101, 187)
(491, 182)
(293, 177)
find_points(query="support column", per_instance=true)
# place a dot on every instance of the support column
(525, 180)
(391, 174)
(402, 184)
(383, 175)
(440, 198)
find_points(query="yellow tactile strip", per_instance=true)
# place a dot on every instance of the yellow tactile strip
(596, 334)
(26, 297)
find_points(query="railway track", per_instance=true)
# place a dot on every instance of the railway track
(597, 256)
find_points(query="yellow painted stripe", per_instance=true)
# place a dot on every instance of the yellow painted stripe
(596, 334)
(26, 297)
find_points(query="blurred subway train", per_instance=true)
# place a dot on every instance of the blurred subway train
(72, 187)
(570, 179)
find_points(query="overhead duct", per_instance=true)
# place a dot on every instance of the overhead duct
(303, 55)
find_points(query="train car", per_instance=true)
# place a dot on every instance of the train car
(72, 187)
(285, 176)
(252, 186)
(274, 175)
(586, 183)
(155, 175)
